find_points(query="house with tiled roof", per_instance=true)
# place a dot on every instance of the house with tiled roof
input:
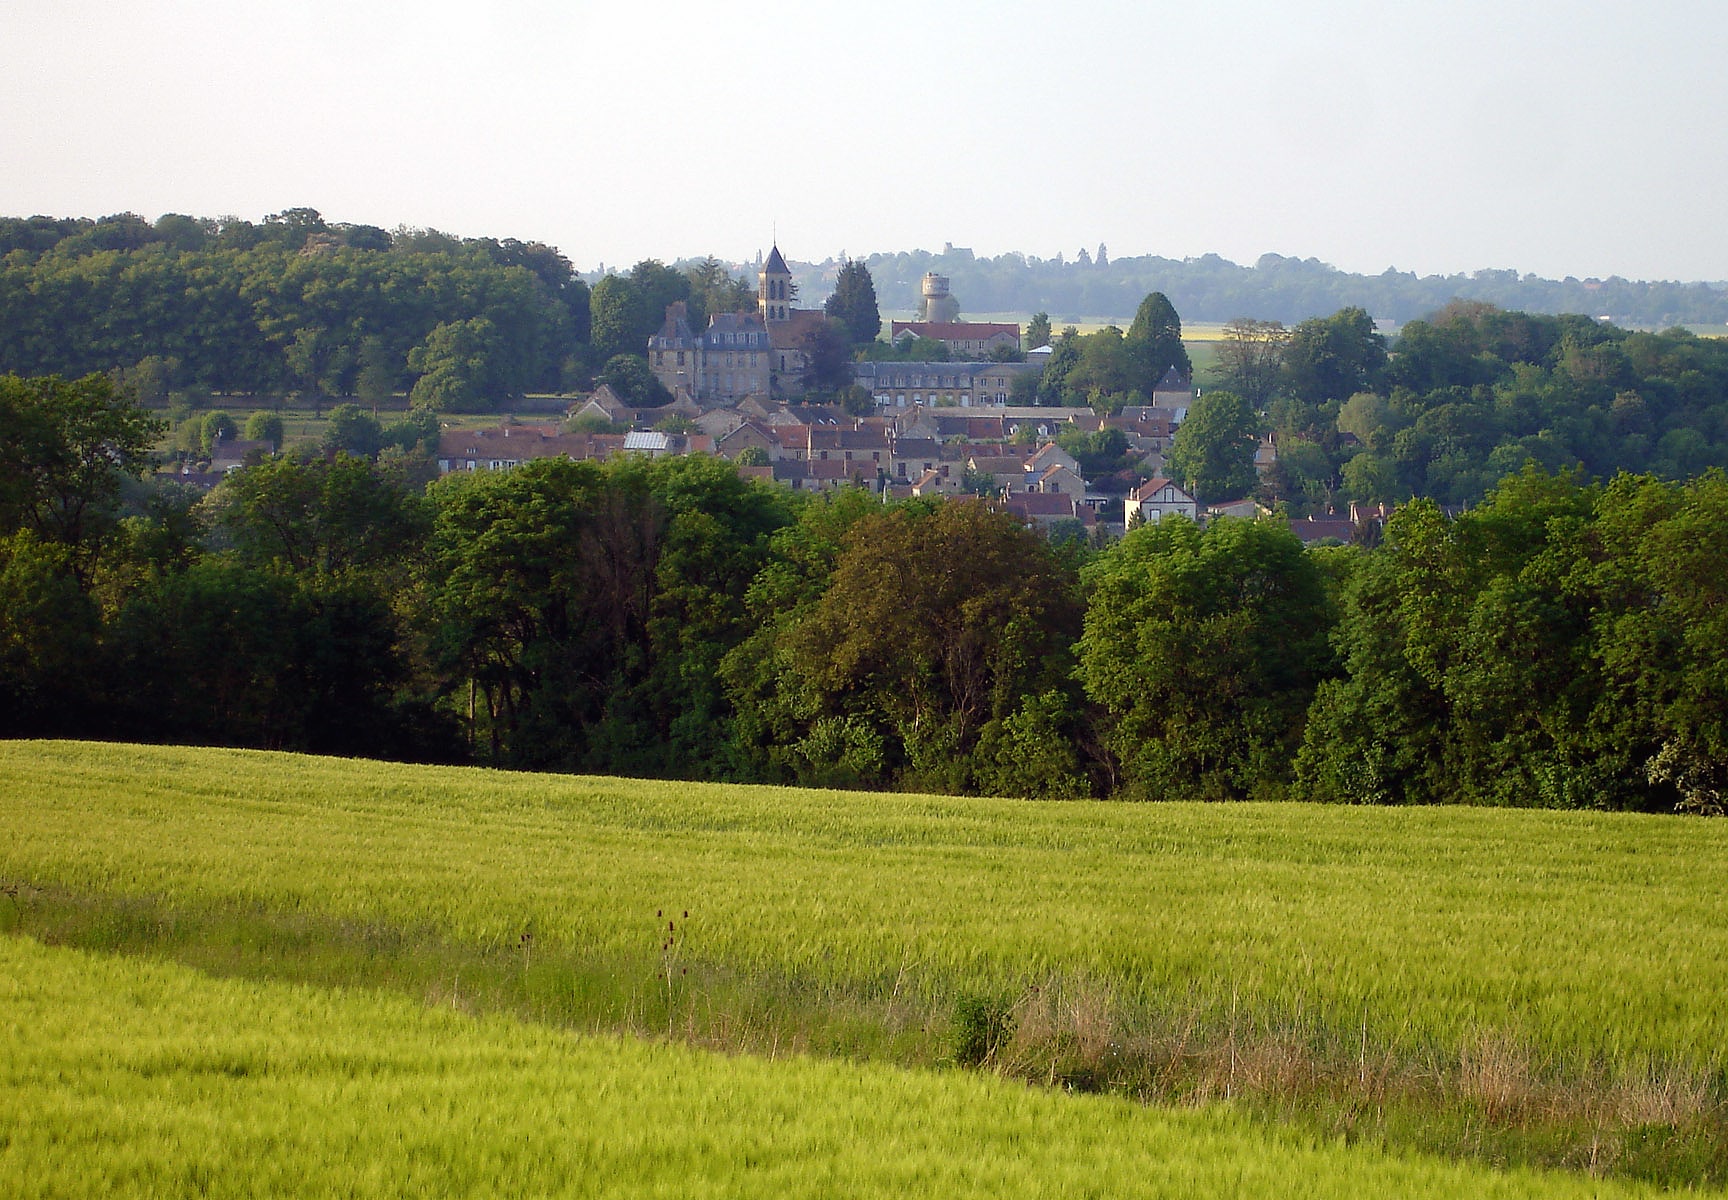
(605, 404)
(938, 481)
(750, 433)
(964, 339)
(1174, 391)
(1057, 479)
(1046, 508)
(1159, 498)
(910, 457)
(507, 446)
(1051, 455)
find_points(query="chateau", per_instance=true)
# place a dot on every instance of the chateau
(739, 354)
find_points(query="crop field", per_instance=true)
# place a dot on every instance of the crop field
(1489, 968)
(125, 1078)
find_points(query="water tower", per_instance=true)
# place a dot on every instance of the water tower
(938, 304)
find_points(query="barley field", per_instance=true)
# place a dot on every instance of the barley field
(1584, 938)
(134, 1079)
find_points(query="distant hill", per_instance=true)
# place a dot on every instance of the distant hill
(1211, 288)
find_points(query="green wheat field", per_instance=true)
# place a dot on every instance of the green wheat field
(238, 971)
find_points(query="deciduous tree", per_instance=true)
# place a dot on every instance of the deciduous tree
(1213, 450)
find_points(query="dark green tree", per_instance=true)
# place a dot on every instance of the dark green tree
(66, 447)
(216, 427)
(1038, 331)
(630, 376)
(320, 517)
(938, 624)
(713, 290)
(49, 635)
(379, 367)
(1053, 388)
(1154, 344)
(853, 303)
(265, 426)
(827, 357)
(620, 320)
(1331, 358)
(1204, 647)
(352, 431)
(455, 367)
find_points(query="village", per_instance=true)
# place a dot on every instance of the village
(936, 428)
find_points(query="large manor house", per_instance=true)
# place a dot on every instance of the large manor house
(762, 353)
(739, 354)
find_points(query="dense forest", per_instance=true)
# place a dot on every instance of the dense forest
(1556, 645)
(291, 305)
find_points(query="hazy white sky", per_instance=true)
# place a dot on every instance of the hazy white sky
(1564, 138)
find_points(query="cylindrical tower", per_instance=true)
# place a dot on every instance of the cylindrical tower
(938, 304)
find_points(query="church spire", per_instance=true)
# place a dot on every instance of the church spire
(774, 288)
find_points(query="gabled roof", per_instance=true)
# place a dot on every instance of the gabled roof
(611, 403)
(1050, 505)
(749, 433)
(1152, 487)
(775, 264)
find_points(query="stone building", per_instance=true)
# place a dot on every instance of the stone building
(723, 364)
(789, 328)
(961, 384)
(740, 354)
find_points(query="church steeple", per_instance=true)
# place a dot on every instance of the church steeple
(774, 288)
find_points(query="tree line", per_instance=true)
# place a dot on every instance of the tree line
(1465, 396)
(1274, 287)
(1557, 645)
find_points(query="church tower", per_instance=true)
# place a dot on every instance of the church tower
(774, 289)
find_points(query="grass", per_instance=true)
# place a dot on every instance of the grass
(1519, 986)
(124, 1078)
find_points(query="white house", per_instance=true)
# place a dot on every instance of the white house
(1159, 498)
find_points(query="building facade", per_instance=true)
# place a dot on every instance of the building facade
(723, 364)
(938, 384)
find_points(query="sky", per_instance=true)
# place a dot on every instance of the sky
(1581, 138)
